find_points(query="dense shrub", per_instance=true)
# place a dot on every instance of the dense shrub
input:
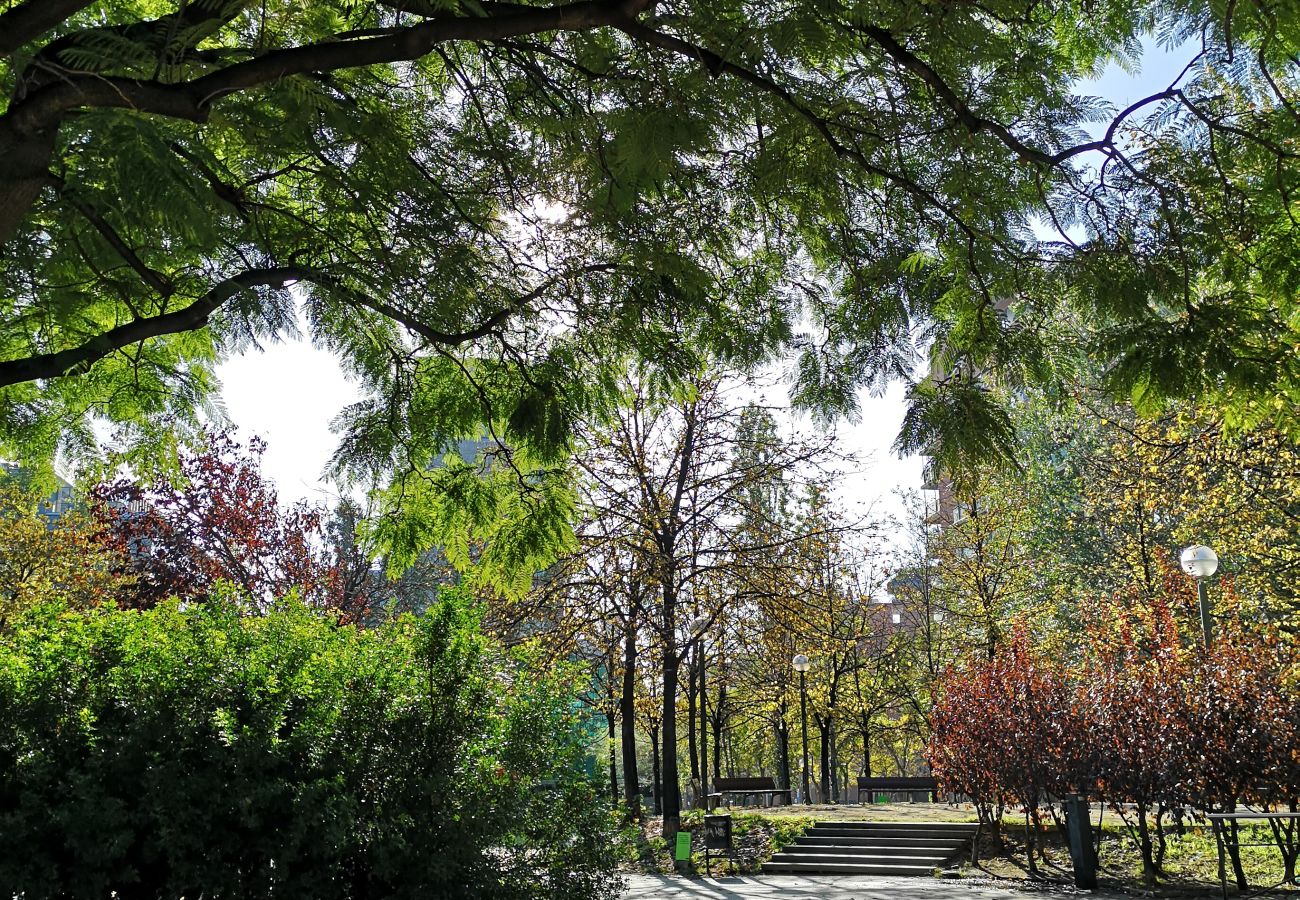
(190, 751)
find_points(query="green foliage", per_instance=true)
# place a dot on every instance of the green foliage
(195, 751)
(489, 212)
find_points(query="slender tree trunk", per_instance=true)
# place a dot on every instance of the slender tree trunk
(692, 751)
(835, 767)
(783, 754)
(627, 710)
(657, 785)
(824, 729)
(613, 757)
(672, 797)
(702, 801)
(866, 745)
(1149, 871)
(719, 717)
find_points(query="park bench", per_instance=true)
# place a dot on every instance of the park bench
(869, 787)
(726, 788)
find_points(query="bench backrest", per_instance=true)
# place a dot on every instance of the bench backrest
(919, 783)
(744, 784)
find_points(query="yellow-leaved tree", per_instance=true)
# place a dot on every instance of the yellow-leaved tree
(42, 560)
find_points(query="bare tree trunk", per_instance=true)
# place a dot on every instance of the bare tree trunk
(672, 796)
(656, 786)
(719, 720)
(613, 757)
(824, 729)
(866, 745)
(627, 710)
(692, 751)
(835, 767)
(783, 754)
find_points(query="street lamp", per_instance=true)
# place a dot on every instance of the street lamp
(1201, 562)
(801, 665)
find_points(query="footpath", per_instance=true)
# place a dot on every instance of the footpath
(811, 887)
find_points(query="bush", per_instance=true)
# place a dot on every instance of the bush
(195, 752)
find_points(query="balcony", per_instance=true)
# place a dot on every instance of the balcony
(931, 476)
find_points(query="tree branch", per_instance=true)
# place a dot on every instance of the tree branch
(76, 360)
(29, 20)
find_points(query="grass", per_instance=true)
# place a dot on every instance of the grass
(1191, 864)
(756, 836)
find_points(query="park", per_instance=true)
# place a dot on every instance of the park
(649, 448)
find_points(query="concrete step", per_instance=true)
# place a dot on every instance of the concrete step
(955, 827)
(882, 840)
(914, 834)
(843, 868)
(874, 848)
(938, 853)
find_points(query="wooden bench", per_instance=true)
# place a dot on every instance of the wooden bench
(869, 787)
(726, 788)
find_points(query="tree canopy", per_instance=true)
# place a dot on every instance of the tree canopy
(487, 208)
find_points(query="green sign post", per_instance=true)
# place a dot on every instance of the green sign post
(683, 849)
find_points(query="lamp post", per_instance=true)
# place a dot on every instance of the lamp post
(1201, 562)
(801, 665)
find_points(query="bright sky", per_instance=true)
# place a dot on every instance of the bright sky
(289, 393)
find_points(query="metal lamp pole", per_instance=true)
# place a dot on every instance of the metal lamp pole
(1201, 562)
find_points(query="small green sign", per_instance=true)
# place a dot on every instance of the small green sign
(683, 846)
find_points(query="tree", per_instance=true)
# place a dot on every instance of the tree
(665, 484)
(60, 561)
(218, 519)
(487, 209)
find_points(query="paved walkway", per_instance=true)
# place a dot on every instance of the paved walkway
(810, 887)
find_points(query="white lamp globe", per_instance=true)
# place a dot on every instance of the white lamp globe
(801, 663)
(1199, 561)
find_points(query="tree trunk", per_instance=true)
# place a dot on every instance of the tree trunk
(719, 716)
(824, 729)
(692, 751)
(672, 797)
(866, 745)
(835, 768)
(26, 174)
(1149, 871)
(656, 785)
(783, 754)
(702, 799)
(627, 710)
(613, 758)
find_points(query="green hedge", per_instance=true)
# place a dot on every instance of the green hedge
(200, 753)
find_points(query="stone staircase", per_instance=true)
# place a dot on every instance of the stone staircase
(874, 848)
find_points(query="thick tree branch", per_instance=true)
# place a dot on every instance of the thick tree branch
(76, 360)
(29, 20)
